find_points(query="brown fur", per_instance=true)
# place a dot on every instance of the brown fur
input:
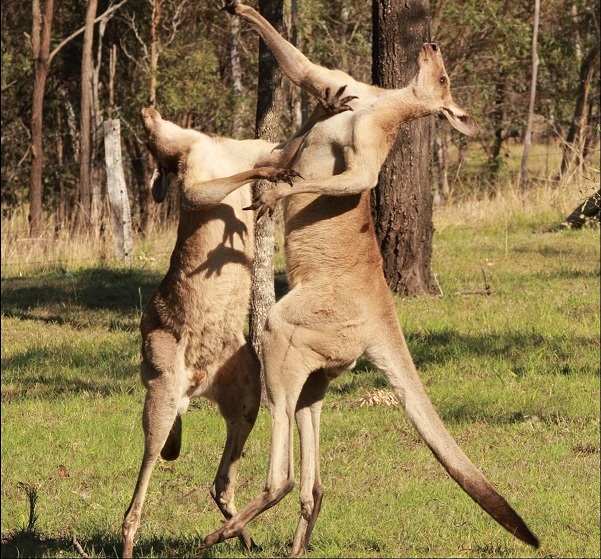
(339, 306)
(192, 328)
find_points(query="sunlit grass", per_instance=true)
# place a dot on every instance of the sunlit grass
(514, 376)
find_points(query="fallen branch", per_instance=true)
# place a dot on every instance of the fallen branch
(77, 545)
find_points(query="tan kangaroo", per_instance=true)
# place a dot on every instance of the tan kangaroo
(192, 327)
(339, 307)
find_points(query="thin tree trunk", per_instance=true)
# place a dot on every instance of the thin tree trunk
(238, 120)
(117, 192)
(85, 197)
(269, 109)
(40, 42)
(528, 135)
(96, 135)
(402, 201)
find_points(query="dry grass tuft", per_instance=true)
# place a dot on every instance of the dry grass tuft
(378, 397)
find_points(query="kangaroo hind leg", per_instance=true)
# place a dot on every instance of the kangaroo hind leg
(239, 398)
(308, 412)
(159, 375)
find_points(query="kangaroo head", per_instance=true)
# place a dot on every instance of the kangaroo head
(433, 88)
(162, 144)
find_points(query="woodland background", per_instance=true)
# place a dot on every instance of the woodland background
(198, 66)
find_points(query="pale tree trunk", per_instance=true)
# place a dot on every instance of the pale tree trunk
(402, 201)
(40, 43)
(440, 145)
(96, 136)
(300, 107)
(85, 196)
(528, 135)
(238, 120)
(117, 191)
(269, 108)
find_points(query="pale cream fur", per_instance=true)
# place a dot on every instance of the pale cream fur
(339, 307)
(192, 327)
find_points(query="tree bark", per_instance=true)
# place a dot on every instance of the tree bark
(574, 144)
(85, 191)
(528, 135)
(269, 109)
(40, 43)
(117, 192)
(402, 201)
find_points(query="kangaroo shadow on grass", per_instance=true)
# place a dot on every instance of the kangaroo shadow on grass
(100, 297)
(24, 544)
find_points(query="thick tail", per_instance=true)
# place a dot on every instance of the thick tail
(409, 390)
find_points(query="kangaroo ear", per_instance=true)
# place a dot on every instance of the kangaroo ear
(460, 120)
(159, 184)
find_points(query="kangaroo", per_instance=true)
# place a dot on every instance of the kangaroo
(339, 306)
(192, 327)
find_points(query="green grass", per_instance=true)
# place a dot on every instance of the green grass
(514, 376)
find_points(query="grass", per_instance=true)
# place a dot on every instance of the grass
(514, 376)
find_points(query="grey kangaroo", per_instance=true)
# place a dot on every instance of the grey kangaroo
(339, 307)
(192, 327)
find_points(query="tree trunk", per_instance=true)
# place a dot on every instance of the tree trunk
(117, 192)
(85, 194)
(572, 152)
(528, 135)
(238, 120)
(269, 108)
(40, 43)
(498, 116)
(96, 120)
(402, 201)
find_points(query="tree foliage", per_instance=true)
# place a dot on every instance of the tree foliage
(486, 46)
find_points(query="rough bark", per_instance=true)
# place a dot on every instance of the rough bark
(40, 43)
(117, 192)
(402, 201)
(85, 191)
(269, 108)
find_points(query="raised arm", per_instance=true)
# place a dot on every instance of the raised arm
(297, 67)
(327, 106)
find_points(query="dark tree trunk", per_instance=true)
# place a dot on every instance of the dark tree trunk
(269, 108)
(402, 201)
(575, 143)
(40, 42)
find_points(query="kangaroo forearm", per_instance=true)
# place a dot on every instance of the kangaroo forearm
(344, 184)
(202, 195)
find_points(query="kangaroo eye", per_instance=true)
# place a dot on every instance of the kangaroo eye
(442, 80)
